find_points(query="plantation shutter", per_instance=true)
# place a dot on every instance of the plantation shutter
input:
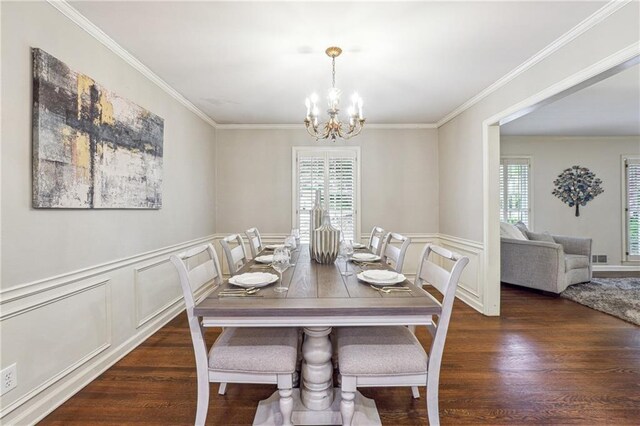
(515, 205)
(632, 225)
(334, 173)
(342, 193)
(310, 177)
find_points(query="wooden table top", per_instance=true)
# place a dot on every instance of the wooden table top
(317, 290)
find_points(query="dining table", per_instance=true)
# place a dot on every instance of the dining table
(318, 299)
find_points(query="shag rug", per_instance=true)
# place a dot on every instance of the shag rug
(619, 297)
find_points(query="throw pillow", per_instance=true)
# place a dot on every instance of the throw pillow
(522, 227)
(508, 230)
(545, 236)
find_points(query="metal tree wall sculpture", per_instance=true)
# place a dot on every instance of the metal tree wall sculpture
(576, 186)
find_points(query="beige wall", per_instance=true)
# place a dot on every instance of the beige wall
(60, 327)
(601, 219)
(398, 168)
(40, 243)
(460, 140)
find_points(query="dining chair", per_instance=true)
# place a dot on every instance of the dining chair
(392, 355)
(391, 254)
(239, 355)
(375, 240)
(236, 256)
(255, 241)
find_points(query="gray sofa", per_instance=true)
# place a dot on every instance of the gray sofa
(545, 265)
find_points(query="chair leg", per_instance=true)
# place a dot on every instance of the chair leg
(203, 400)
(415, 391)
(222, 389)
(347, 407)
(286, 406)
(432, 406)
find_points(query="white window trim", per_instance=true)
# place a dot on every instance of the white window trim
(294, 182)
(529, 159)
(623, 189)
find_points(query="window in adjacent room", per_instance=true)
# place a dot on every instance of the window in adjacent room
(335, 171)
(515, 190)
(632, 208)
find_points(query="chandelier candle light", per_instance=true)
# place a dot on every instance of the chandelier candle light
(332, 129)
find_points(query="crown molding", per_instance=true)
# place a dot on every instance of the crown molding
(80, 20)
(301, 126)
(594, 19)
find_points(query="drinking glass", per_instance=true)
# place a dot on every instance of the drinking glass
(280, 263)
(346, 251)
(295, 232)
(290, 241)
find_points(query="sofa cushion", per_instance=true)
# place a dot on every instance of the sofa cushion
(522, 227)
(575, 261)
(545, 236)
(508, 230)
(376, 351)
(264, 350)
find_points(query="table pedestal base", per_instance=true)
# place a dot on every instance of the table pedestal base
(268, 412)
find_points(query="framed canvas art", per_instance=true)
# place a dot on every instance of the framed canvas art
(92, 149)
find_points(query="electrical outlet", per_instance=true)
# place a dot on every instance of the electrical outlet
(9, 379)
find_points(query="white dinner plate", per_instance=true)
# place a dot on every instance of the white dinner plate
(400, 278)
(268, 258)
(380, 275)
(253, 279)
(359, 246)
(365, 257)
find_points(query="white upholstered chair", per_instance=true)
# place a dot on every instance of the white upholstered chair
(236, 256)
(392, 355)
(239, 355)
(255, 241)
(393, 255)
(375, 240)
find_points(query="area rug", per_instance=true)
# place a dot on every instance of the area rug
(619, 297)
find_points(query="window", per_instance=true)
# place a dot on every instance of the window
(515, 190)
(335, 172)
(632, 208)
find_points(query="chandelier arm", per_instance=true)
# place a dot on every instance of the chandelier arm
(357, 128)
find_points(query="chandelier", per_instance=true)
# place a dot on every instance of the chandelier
(333, 128)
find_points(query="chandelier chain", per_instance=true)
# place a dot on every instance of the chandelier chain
(333, 75)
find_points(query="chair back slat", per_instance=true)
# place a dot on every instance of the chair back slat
(236, 256)
(446, 282)
(393, 255)
(435, 275)
(192, 279)
(255, 241)
(375, 240)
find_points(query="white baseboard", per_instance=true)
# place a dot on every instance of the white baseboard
(616, 268)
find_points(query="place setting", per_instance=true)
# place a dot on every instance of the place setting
(384, 281)
(250, 283)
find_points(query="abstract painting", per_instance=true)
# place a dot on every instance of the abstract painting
(92, 149)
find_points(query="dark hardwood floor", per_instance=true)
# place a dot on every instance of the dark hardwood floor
(546, 360)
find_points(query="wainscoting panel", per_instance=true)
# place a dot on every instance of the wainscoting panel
(50, 339)
(156, 289)
(470, 289)
(64, 331)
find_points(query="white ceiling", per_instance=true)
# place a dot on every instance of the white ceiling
(608, 108)
(412, 62)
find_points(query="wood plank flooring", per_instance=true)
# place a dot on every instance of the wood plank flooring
(546, 360)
